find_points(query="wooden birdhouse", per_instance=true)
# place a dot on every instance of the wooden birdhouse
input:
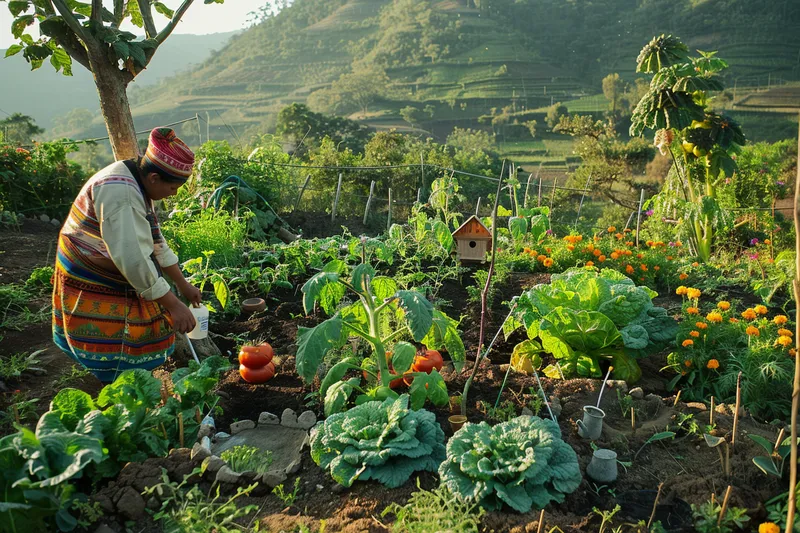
(473, 240)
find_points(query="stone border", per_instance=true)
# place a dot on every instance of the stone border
(213, 464)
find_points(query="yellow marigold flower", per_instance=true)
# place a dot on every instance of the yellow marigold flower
(589, 263)
(627, 230)
(780, 320)
(596, 238)
(614, 255)
(752, 331)
(629, 269)
(590, 247)
(713, 364)
(785, 341)
(733, 320)
(548, 262)
(768, 527)
(767, 241)
(749, 314)
(643, 267)
(611, 229)
(541, 257)
(760, 309)
(694, 334)
(548, 249)
(714, 317)
(724, 305)
(597, 252)
(578, 238)
(695, 264)
(683, 276)
(786, 332)
(629, 243)
(693, 293)
(681, 291)
(526, 250)
(692, 311)
(701, 325)
(570, 247)
(601, 258)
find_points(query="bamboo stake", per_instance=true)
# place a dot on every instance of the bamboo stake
(639, 217)
(478, 206)
(677, 398)
(336, 198)
(419, 194)
(655, 505)
(736, 412)
(198, 415)
(389, 216)
(527, 188)
(180, 429)
(300, 195)
(778, 442)
(541, 522)
(16, 414)
(583, 195)
(633, 420)
(369, 200)
(553, 197)
(724, 506)
(711, 413)
(539, 198)
(790, 509)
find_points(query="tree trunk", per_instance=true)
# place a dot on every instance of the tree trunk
(111, 88)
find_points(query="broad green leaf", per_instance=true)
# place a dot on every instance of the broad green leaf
(418, 312)
(19, 25)
(526, 357)
(221, 291)
(132, 11)
(766, 465)
(314, 343)
(122, 50)
(383, 287)
(336, 396)
(313, 288)
(13, 50)
(137, 54)
(402, 357)
(72, 405)
(712, 441)
(134, 389)
(338, 266)
(443, 235)
(539, 226)
(761, 441)
(437, 389)
(518, 226)
(336, 373)
(625, 367)
(164, 10)
(18, 6)
(663, 435)
(362, 275)
(511, 325)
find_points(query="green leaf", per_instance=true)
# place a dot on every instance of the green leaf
(442, 234)
(402, 357)
(437, 389)
(766, 465)
(135, 389)
(625, 367)
(383, 287)
(19, 25)
(418, 311)
(164, 10)
(132, 11)
(336, 373)
(526, 357)
(336, 396)
(221, 291)
(314, 343)
(72, 405)
(137, 54)
(312, 289)
(362, 275)
(761, 441)
(518, 226)
(18, 6)
(13, 50)
(663, 435)
(61, 60)
(121, 49)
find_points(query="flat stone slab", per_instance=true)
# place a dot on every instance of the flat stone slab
(285, 443)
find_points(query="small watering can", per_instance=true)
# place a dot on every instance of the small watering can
(592, 424)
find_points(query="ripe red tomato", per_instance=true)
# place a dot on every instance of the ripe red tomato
(256, 356)
(426, 361)
(257, 375)
(395, 382)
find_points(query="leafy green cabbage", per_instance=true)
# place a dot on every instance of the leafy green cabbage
(522, 463)
(385, 441)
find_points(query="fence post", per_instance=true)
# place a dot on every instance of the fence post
(199, 134)
(583, 195)
(639, 217)
(553, 197)
(369, 200)
(539, 199)
(336, 198)
(527, 188)
(302, 190)
(208, 127)
(422, 172)
(478, 206)
(419, 194)
(389, 216)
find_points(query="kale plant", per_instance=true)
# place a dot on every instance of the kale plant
(522, 463)
(384, 441)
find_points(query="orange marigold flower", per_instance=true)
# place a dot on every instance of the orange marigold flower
(596, 238)
(681, 291)
(784, 331)
(656, 268)
(526, 250)
(785, 341)
(752, 331)
(629, 269)
(597, 252)
(589, 263)
(768, 527)
(628, 253)
(678, 244)
(548, 262)
(570, 247)
(643, 267)
(614, 255)
(767, 241)
(627, 230)
(723, 305)
(641, 278)
(694, 333)
(601, 258)
(548, 249)
(733, 320)
(619, 236)
(713, 364)
(541, 257)
(701, 325)
(683, 276)
(578, 238)
(611, 229)
(629, 243)
(792, 352)
(693, 293)
(780, 320)
(649, 243)
(669, 258)
(695, 264)
(749, 314)
(692, 311)
(760, 309)
(639, 256)
(714, 317)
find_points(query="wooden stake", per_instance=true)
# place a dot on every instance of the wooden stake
(541, 522)
(677, 398)
(478, 206)
(369, 200)
(336, 198)
(527, 188)
(639, 217)
(16, 414)
(711, 413)
(553, 198)
(539, 198)
(180, 429)
(724, 506)
(198, 415)
(419, 194)
(633, 420)
(778, 442)
(655, 505)
(302, 190)
(736, 412)
(389, 216)
(790, 508)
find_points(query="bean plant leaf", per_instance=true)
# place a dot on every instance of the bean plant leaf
(761, 441)
(428, 386)
(418, 311)
(314, 343)
(518, 226)
(766, 465)
(443, 235)
(402, 357)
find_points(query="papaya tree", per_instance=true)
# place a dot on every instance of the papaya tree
(702, 143)
(89, 34)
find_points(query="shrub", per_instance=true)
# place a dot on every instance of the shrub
(385, 441)
(521, 463)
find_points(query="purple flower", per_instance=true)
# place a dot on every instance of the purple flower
(548, 232)
(753, 242)
(649, 212)
(671, 244)
(753, 256)
(781, 183)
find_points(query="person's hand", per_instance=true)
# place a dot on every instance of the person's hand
(182, 319)
(191, 293)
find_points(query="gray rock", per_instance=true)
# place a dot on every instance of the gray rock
(200, 452)
(319, 488)
(636, 393)
(289, 418)
(44, 218)
(293, 467)
(241, 425)
(555, 406)
(226, 475)
(208, 420)
(213, 464)
(267, 418)
(205, 431)
(273, 478)
(102, 528)
(131, 504)
(653, 398)
(618, 384)
(306, 420)
(337, 489)
(55, 222)
(221, 435)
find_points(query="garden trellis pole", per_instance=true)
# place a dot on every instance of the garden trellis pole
(553, 197)
(389, 216)
(790, 508)
(300, 194)
(369, 200)
(478, 206)
(583, 195)
(639, 217)
(199, 131)
(527, 188)
(336, 198)
(539, 199)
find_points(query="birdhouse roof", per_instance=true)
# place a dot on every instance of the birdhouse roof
(472, 227)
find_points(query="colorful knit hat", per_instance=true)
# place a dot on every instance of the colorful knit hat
(170, 154)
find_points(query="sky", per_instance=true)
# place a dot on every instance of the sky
(200, 19)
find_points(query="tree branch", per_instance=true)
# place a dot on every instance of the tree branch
(70, 20)
(147, 18)
(75, 50)
(162, 36)
(119, 11)
(97, 11)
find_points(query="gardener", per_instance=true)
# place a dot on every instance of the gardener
(112, 309)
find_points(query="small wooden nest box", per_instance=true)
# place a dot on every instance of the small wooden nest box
(473, 240)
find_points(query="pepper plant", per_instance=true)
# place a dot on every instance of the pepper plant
(701, 142)
(382, 316)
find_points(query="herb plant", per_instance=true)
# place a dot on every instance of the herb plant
(522, 463)
(384, 441)
(434, 510)
(245, 458)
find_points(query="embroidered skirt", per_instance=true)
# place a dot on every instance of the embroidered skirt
(100, 321)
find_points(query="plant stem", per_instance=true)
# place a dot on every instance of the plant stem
(796, 388)
(724, 506)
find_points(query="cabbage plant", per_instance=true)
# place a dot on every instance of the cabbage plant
(385, 441)
(522, 463)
